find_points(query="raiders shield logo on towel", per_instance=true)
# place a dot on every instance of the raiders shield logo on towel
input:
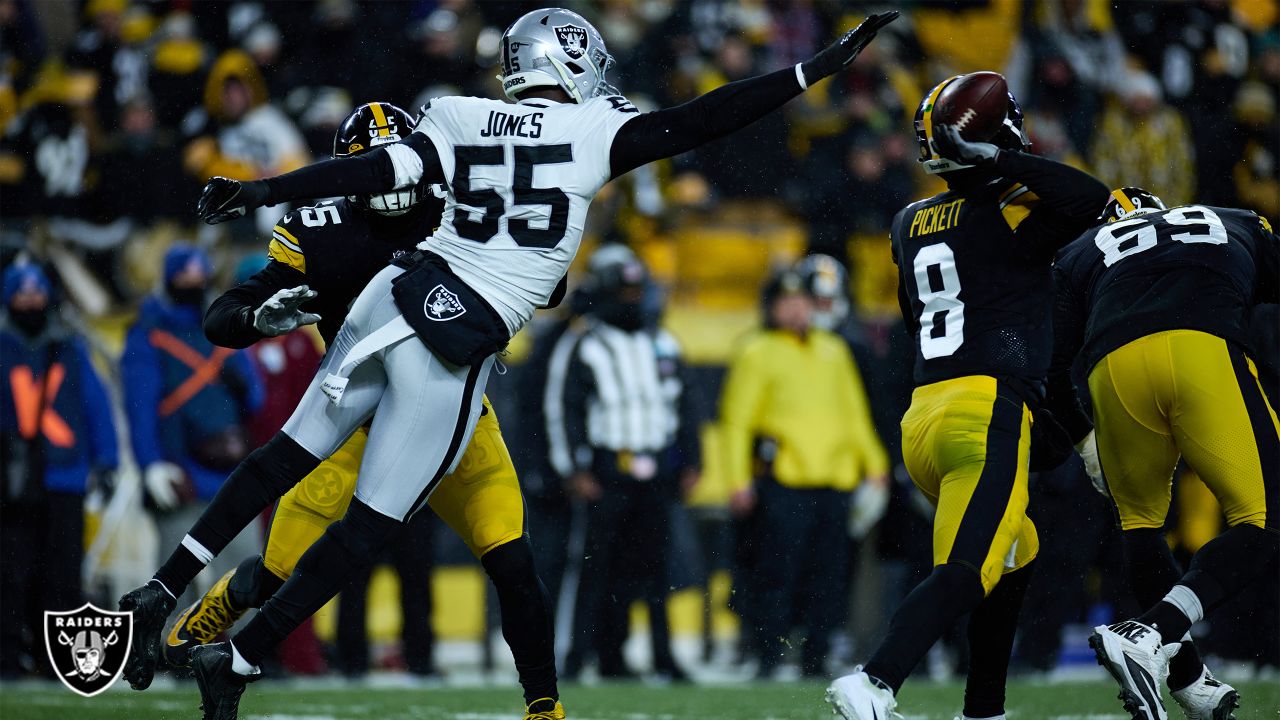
(573, 39)
(88, 646)
(442, 304)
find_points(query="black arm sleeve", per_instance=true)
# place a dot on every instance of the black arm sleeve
(1061, 397)
(1268, 288)
(665, 133)
(1073, 194)
(229, 320)
(365, 174)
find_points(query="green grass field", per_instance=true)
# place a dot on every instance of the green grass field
(1027, 701)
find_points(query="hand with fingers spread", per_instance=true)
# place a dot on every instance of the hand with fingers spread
(281, 312)
(225, 199)
(952, 146)
(843, 51)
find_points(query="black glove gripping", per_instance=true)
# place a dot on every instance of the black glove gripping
(952, 146)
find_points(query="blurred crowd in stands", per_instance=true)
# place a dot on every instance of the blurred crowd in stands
(115, 112)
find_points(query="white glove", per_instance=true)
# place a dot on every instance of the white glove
(1088, 449)
(870, 501)
(280, 313)
(163, 480)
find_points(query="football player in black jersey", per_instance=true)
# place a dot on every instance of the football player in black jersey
(1157, 302)
(975, 288)
(321, 257)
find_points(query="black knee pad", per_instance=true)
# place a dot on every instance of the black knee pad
(509, 560)
(252, 584)
(363, 531)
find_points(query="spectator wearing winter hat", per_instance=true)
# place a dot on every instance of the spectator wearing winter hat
(188, 402)
(56, 431)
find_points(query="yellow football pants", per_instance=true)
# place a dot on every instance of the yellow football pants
(480, 500)
(1192, 394)
(967, 444)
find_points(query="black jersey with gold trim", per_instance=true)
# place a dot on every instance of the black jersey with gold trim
(973, 292)
(335, 247)
(1194, 267)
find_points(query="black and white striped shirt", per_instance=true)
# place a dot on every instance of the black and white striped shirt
(611, 389)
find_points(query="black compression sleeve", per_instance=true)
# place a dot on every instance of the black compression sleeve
(1073, 194)
(665, 133)
(229, 320)
(365, 174)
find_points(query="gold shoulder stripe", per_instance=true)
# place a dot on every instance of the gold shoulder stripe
(280, 252)
(1017, 208)
(1266, 225)
(286, 237)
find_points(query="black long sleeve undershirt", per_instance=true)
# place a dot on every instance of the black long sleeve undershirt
(1070, 199)
(651, 136)
(729, 108)
(366, 174)
(229, 320)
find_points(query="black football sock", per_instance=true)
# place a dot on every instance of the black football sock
(1152, 573)
(992, 626)
(1222, 568)
(528, 622)
(346, 546)
(252, 584)
(931, 609)
(257, 482)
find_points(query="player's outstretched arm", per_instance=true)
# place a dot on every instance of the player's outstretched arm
(399, 165)
(726, 109)
(1073, 194)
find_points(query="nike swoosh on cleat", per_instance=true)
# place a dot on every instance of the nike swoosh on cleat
(1146, 687)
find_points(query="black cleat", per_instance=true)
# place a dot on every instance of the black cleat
(220, 686)
(150, 605)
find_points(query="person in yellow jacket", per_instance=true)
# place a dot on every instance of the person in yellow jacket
(797, 439)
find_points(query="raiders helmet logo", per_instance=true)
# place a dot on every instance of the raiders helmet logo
(573, 40)
(443, 305)
(88, 646)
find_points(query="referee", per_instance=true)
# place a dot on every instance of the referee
(614, 424)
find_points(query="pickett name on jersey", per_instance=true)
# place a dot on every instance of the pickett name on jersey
(500, 124)
(935, 218)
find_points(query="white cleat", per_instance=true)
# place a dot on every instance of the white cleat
(858, 697)
(1208, 699)
(1135, 656)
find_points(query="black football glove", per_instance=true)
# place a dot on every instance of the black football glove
(950, 145)
(225, 199)
(843, 51)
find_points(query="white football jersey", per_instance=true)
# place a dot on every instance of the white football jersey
(520, 178)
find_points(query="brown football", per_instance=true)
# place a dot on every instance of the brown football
(976, 104)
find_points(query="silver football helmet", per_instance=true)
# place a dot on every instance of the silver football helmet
(555, 47)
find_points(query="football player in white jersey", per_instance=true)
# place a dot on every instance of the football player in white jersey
(520, 176)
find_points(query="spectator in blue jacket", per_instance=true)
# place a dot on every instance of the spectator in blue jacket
(187, 401)
(56, 430)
